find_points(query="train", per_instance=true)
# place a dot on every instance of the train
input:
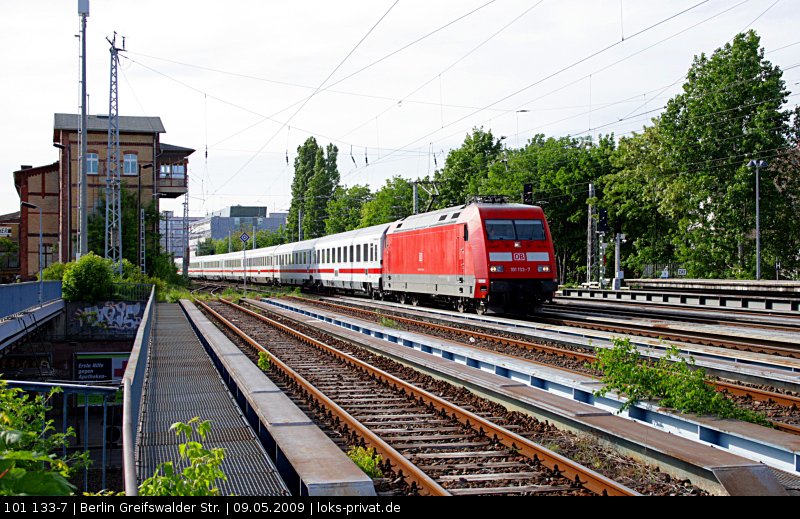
(486, 255)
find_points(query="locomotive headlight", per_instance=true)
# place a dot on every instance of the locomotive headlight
(543, 268)
(496, 268)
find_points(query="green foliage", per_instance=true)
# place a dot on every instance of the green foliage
(131, 206)
(304, 164)
(389, 323)
(392, 201)
(674, 381)
(54, 272)
(175, 294)
(200, 477)
(367, 460)
(693, 167)
(264, 361)
(88, 279)
(467, 167)
(344, 209)
(232, 294)
(28, 441)
(319, 191)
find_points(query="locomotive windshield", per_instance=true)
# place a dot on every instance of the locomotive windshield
(515, 230)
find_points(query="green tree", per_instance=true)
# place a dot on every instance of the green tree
(304, 165)
(131, 206)
(729, 113)
(467, 167)
(634, 197)
(344, 208)
(206, 247)
(560, 170)
(88, 279)
(319, 191)
(392, 202)
(267, 238)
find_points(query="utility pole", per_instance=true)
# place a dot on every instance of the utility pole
(433, 192)
(758, 164)
(83, 203)
(113, 182)
(590, 236)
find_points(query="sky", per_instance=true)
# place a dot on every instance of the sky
(395, 84)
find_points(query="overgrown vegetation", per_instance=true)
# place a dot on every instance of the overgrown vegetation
(28, 443)
(389, 323)
(672, 380)
(200, 477)
(367, 460)
(264, 361)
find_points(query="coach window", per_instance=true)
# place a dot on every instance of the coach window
(358, 254)
(366, 254)
(466, 233)
(345, 254)
(351, 253)
(338, 255)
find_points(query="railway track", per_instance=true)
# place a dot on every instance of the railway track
(784, 407)
(773, 321)
(438, 448)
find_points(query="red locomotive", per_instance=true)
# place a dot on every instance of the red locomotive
(487, 254)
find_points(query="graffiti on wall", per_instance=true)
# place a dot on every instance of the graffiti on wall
(112, 315)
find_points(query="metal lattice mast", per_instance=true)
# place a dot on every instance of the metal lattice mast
(186, 236)
(113, 235)
(142, 242)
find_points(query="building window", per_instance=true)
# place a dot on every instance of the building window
(178, 170)
(92, 164)
(130, 165)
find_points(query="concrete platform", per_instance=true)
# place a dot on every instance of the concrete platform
(680, 456)
(181, 384)
(309, 461)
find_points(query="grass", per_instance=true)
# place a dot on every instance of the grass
(367, 460)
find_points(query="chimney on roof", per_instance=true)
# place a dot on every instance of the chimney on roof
(25, 167)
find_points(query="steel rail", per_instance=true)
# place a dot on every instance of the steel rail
(756, 394)
(707, 339)
(588, 357)
(407, 469)
(589, 479)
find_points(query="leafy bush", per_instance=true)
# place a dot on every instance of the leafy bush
(367, 460)
(197, 479)
(674, 381)
(28, 441)
(54, 272)
(88, 279)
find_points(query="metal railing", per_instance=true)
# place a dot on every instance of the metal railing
(17, 297)
(130, 291)
(87, 392)
(132, 386)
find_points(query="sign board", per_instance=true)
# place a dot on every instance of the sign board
(5, 232)
(244, 237)
(96, 367)
(681, 272)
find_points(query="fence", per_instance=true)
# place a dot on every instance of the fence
(663, 270)
(130, 291)
(17, 297)
(132, 386)
(87, 392)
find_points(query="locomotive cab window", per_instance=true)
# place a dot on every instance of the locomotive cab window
(531, 230)
(500, 230)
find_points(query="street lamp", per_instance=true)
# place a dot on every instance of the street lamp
(519, 112)
(758, 164)
(33, 206)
